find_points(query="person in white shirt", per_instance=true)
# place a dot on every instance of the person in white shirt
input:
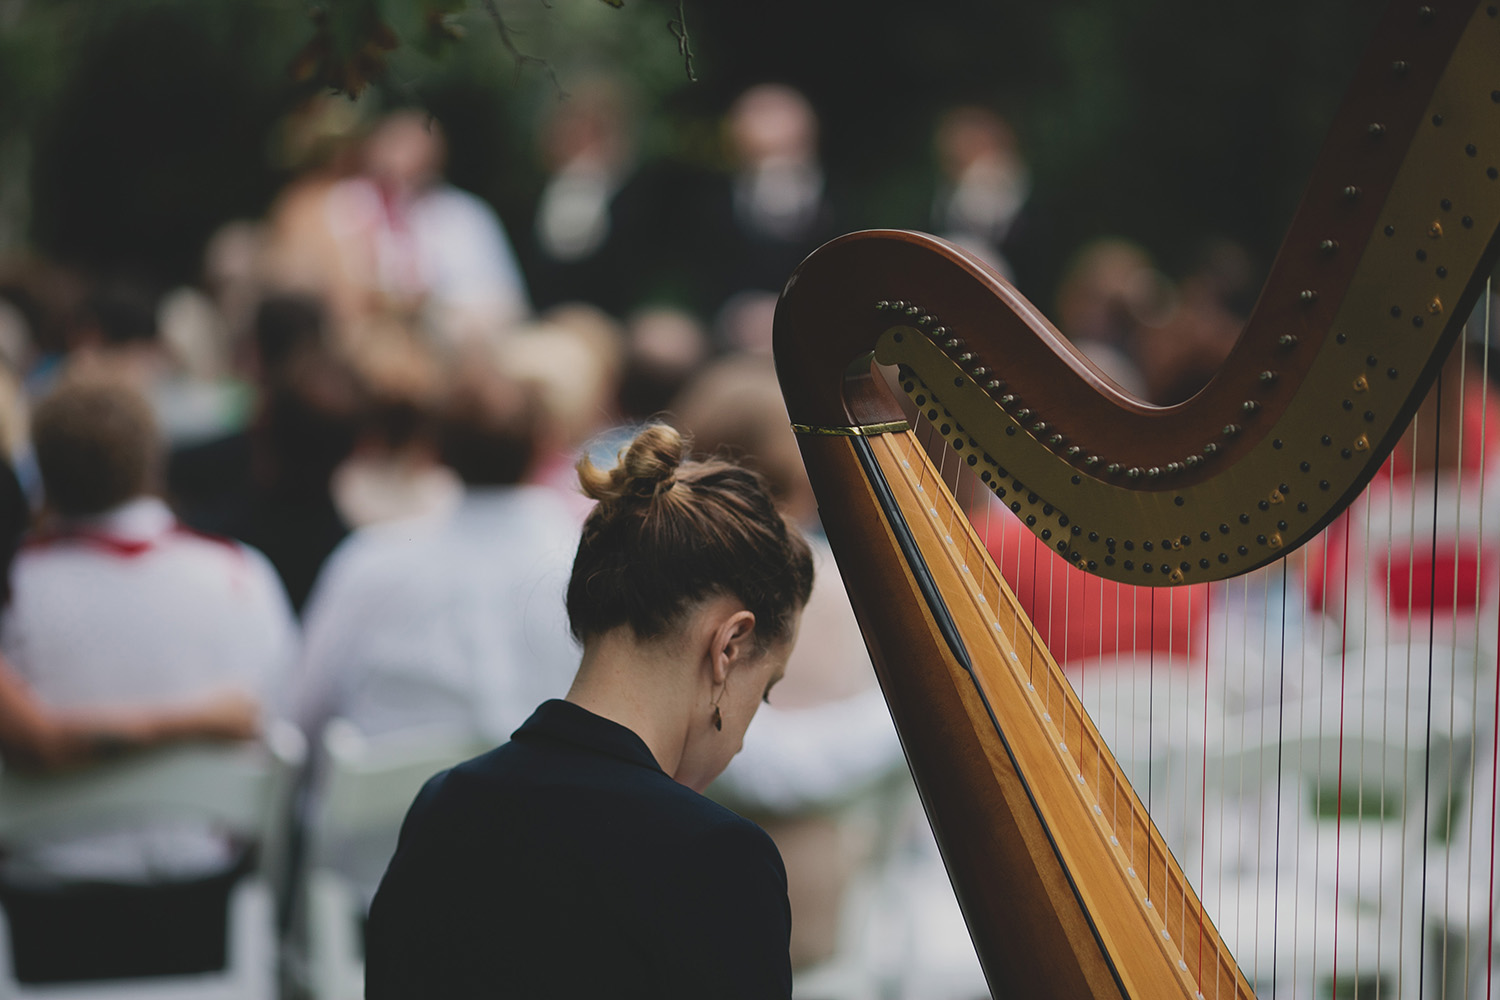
(456, 619)
(452, 622)
(115, 606)
(412, 241)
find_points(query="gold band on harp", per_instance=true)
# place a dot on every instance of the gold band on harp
(857, 430)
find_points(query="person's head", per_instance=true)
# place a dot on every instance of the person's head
(1110, 287)
(406, 152)
(571, 361)
(97, 445)
(693, 558)
(119, 313)
(968, 135)
(772, 122)
(663, 348)
(402, 377)
(734, 407)
(591, 128)
(487, 427)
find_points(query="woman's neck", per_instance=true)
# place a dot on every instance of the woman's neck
(647, 687)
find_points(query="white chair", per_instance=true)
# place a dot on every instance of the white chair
(367, 788)
(1320, 858)
(245, 790)
(1463, 886)
(903, 935)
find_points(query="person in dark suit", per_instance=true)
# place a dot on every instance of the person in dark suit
(580, 860)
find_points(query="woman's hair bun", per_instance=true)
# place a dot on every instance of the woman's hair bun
(646, 469)
(669, 532)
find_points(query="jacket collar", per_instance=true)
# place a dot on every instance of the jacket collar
(565, 722)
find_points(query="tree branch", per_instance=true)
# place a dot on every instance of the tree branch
(508, 41)
(678, 27)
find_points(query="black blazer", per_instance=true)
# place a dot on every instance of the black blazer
(567, 864)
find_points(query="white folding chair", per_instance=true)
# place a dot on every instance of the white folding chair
(367, 788)
(244, 790)
(903, 936)
(1323, 811)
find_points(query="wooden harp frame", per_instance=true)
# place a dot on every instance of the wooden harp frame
(1067, 887)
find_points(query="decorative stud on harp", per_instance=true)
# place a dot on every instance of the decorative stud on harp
(1067, 887)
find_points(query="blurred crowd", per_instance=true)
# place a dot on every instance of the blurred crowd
(334, 478)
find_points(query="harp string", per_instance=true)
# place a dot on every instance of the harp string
(1166, 889)
(1169, 891)
(1317, 705)
(1488, 319)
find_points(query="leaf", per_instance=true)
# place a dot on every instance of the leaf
(346, 52)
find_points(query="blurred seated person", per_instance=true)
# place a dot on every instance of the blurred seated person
(419, 245)
(270, 485)
(394, 471)
(984, 186)
(1186, 346)
(119, 332)
(35, 736)
(664, 349)
(587, 146)
(456, 620)
(450, 619)
(115, 608)
(572, 362)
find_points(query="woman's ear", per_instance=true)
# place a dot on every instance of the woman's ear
(733, 643)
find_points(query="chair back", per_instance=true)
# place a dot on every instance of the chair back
(370, 784)
(243, 788)
(367, 787)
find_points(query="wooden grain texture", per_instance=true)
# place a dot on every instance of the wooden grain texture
(1034, 939)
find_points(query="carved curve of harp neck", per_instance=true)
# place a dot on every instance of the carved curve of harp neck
(1382, 263)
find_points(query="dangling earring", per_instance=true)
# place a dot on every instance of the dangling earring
(718, 719)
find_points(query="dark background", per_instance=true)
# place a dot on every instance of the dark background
(143, 126)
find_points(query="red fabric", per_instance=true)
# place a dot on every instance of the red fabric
(1080, 616)
(124, 548)
(1448, 580)
(1445, 581)
(1481, 435)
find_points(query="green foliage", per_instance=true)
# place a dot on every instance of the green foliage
(1165, 121)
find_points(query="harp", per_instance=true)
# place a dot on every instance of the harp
(1068, 884)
